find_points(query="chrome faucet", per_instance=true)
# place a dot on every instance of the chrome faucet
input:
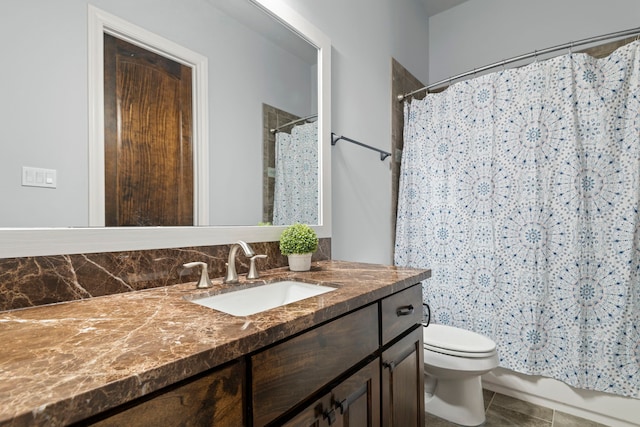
(232, 275)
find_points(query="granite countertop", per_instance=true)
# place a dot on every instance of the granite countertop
(65, 362)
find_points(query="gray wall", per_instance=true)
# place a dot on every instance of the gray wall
(365, 35)
(43, 102)
(480, 32)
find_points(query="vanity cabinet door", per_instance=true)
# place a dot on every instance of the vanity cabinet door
(215, 399)
(403, 382)
(352, 403)
(357, 399)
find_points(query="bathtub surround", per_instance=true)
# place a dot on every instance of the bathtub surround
(33, 281)
(519, 188)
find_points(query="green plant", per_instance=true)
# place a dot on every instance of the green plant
(298, 239)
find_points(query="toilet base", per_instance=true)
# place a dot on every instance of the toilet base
(459, 401)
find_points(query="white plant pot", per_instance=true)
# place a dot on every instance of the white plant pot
(300, 262)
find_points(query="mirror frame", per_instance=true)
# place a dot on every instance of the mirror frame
(22, 242)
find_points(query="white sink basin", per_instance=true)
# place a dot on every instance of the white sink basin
(260, 298)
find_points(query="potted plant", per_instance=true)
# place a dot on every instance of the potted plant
(298, 242)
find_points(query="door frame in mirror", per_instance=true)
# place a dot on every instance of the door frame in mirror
(22, 242)
(100, 23)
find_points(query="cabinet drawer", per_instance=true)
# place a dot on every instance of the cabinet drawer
(286, 374)
(400, 312)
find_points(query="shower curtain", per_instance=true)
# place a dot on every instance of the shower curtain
(520, 190)
(296, 182)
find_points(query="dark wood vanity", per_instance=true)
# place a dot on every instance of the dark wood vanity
(353, 357)
(364, 367)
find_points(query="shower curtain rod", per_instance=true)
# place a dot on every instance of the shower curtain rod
(293, 122)
(534, 54)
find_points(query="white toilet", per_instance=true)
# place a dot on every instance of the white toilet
(454, 360)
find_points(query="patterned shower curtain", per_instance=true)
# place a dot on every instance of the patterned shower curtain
(296, 186)
(520, 190)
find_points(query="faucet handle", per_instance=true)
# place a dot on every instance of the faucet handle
(204, 281)
(253, 270)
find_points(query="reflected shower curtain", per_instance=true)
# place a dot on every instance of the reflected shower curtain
(296, 182)
(520, 190)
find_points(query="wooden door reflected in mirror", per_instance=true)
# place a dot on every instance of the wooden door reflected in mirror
(148, 147)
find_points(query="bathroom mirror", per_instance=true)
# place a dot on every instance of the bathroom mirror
(53, 120)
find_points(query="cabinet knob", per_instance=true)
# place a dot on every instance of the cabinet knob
(330, 416)
(405, 310)
(343, 405)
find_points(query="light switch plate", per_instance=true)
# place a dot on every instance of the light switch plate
(39, 177)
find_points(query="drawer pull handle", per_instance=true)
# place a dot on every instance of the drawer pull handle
(389, 365)
(405, 310)
(343, 405)
(426, 313)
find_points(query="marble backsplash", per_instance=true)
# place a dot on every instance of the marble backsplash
(33, 281)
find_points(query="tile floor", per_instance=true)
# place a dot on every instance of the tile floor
(506, 411)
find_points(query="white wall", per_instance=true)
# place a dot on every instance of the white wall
(43, 102)
(365, 35)
(480, 32)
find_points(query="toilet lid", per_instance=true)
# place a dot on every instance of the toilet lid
(456, 339)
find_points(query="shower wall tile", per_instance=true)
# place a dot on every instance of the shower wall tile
(33, 281)
(402, 81)
(272, 118)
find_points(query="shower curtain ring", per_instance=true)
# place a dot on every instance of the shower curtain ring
(535, 55)
(571, 48)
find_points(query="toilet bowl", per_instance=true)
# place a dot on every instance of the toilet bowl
(454, 360)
